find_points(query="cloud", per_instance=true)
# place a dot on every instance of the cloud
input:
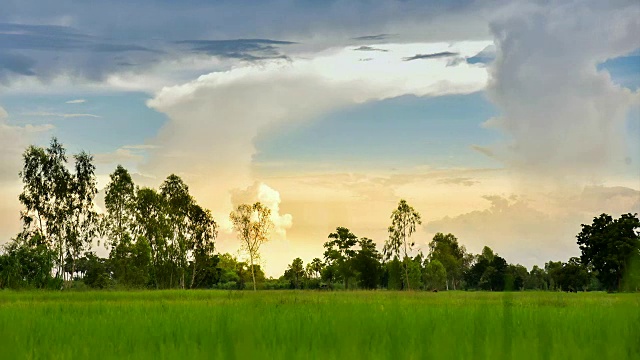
(77, 101)
(120, 156)
(486, 56)
(531, 229)
(244, 49)
(563, 117)
(62, 115)
(213, 121)
(372, 37)
(443, 54)
(464, 181)
(140, 147)
(47, 41)
(47, 51)
(369, 48)
(271, 199)
(13, 141)
(483, 150)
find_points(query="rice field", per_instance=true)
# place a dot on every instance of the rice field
(318, 325)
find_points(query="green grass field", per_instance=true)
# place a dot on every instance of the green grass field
(318, 325)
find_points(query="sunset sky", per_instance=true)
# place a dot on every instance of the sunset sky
(506, 123)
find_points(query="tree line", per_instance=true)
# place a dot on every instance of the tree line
(163, 239)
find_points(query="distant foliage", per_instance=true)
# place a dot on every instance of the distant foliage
(163, 239)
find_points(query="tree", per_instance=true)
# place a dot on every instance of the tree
(27, 263)
(316, 267)
(488, 272)
(435, 275)
(450, 254)
(130, 262)
(46, 197)
(151, 223)
(403, 224)
(119, 202)
(202, 230)
(252, 224)
(366, 264)
(83, 219)
(609, 246)
(339, 252)
(178, 203)
(295, 273)
(537, 279)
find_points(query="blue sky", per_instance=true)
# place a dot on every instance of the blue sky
(483, 114)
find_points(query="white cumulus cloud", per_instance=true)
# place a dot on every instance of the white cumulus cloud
(213, 120)
(564, 118)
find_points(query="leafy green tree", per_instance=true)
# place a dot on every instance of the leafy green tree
(252, 224)
(96, 273)
(393, 277)
(537, 279)
(82, 228)
(26, 262)
(202, 230)
(515, 277)
(488, 272)
(316, 267)
(131, 262)
(450, 254)
(366, 264)
(414, 268)
(339, 252)
(119, 200)
(295, 273)
(178, 202)
(46, 197)
(435, 275)
(609, 245)
(150, 222)
(403, 224)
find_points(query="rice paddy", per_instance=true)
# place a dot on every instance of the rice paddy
(318, 325)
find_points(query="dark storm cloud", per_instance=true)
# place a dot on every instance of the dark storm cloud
(245, 49)
(439, 55)
(45, 50)
(373, 37)
(129, 35)
(369, 48)
(15, 64)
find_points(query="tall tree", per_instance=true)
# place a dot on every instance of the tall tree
(83, 220)
(316, 267)
(46, 197)
(367, 264)
(202, 230)
(295, 273)
(339, 252)
(151, 223)
(450, 254)
(178, 202)
(609, 246)
(435, 275)
(252, 224)
(403, 224)
(119, 202)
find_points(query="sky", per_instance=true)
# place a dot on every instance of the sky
(507, 123)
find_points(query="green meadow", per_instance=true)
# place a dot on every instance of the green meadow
(318, 325)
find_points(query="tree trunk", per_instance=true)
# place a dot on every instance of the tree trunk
(253, 274)
(406, 274)
(193, 274)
